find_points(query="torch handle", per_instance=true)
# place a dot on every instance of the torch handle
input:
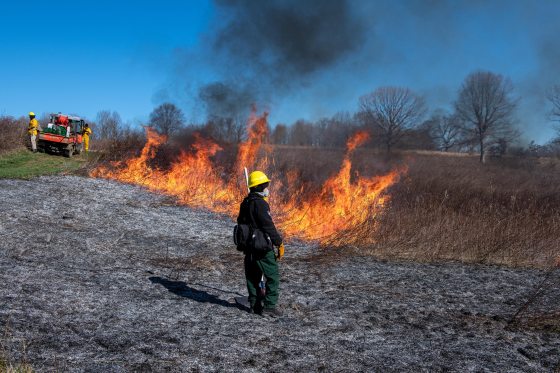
(247, 179)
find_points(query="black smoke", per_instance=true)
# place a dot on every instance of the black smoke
(290, 38)
(226, 100)
(267, 48)
(320, 56)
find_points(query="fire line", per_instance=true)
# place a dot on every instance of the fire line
(340, 206)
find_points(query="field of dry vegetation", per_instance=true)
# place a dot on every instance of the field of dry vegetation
(450, 207)
(453, 208)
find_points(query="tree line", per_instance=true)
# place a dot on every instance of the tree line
(481, 120)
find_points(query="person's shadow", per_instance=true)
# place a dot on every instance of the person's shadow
(181, 289)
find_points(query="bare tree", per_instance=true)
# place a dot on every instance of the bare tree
(228, 129)
(301, 133)
(280, 134)
(393, 110)
(167, 118)
(107, 124)
(334, 131)
(419, 138)
(44, 119)
(445, 130)
(554, 98)
(236, 128)
(485, 105)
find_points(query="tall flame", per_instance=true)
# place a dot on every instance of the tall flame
(341, 204)
(257, 132)
(343, 201)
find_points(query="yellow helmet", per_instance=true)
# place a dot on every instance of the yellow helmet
(31, 114)
(257, 178)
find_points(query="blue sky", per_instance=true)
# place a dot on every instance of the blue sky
(82, 57)
(92, 55)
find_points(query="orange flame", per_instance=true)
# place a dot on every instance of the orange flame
(341, 203)
(257, 132)
(358, 139)
(135, 170)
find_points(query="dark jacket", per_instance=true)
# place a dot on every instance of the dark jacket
(255, 211)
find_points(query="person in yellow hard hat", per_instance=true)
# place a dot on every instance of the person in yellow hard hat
(32, 131)
(260, 259)
(86, 133)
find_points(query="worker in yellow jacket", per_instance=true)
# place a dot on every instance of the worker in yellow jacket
(32, 131)
(86, 133)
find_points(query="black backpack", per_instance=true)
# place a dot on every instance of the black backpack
(249, 239)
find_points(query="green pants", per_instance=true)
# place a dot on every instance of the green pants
(255, 267)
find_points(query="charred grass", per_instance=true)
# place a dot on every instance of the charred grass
(149, 287)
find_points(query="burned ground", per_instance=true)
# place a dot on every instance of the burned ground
(100, 276)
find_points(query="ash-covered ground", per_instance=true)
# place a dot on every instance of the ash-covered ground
(100, 276)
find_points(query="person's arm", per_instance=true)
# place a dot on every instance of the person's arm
(264, 221)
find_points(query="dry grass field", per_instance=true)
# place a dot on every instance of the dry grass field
(453, 208)
(449, 207)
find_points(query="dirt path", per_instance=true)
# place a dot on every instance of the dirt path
(123, 280)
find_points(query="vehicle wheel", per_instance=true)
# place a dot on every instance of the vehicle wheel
(68, 153)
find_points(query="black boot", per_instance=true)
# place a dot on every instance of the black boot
(257, 308)
(272, 312)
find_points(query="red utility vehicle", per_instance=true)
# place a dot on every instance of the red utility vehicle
(63, 135)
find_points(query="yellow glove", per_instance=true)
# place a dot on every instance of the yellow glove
(280, 251)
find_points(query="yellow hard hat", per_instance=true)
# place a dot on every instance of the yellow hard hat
(31, 114)
(257, 178)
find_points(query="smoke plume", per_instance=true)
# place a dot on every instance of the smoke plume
(272, 47)
(307, 59)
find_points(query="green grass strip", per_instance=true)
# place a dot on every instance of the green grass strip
(23, 164)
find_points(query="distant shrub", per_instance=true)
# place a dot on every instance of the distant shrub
(13, 133)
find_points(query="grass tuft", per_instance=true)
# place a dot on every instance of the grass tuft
(6, 367)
